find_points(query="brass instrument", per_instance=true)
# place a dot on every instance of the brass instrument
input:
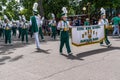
(66, 29)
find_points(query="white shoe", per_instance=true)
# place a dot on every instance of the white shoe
(101, 44)
(109, 45)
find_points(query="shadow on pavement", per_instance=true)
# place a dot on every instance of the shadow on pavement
(89, 53)
(16, 58)
(72, 57)
(18, 44)
(4, 58)
(97, 51)
(2, 63)
(43, 51)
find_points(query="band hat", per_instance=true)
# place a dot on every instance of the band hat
(53, 15)
(5, 17)
(35, 6)
(64, 14)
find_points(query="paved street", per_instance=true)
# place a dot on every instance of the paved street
(91, 62)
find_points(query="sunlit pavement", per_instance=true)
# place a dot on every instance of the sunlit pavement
(91, 62)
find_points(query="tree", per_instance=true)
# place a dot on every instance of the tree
(12, 9)
(54, 6)
(40, 7)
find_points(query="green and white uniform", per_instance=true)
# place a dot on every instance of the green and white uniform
(20, 29)
(105, 23)
(14, 29)
(64, 36)
(24, 32)
(35, 23)
(52, 24)
(40, 29)
(7, 30)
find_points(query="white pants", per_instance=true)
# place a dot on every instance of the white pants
(37, 40)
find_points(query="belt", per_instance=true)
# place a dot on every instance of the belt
(7, 28)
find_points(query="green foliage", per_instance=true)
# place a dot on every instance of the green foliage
(12, 9)
(55, 6)
(28, 5)
(3, 2)
(0, 8)
(71, 11)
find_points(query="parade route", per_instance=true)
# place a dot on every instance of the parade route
(91, 62)
(59, 40)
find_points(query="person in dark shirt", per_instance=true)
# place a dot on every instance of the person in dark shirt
(76, 22)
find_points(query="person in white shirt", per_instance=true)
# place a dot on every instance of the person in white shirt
(7, 30)
(40, 27)
(64, 26)
(104, 22)
(53, 25)
(35, 23)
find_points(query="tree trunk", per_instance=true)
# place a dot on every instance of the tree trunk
(40, 8)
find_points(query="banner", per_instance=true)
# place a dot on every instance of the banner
(84, 35)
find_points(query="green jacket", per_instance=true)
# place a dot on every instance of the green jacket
(34, 24)
(86, 23)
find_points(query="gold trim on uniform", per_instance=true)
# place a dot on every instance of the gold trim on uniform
(7, 28)
(87, 43)
(66, 29)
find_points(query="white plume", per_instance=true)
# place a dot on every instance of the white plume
(35, 6)
(13, 20)
(64, 10)
(39, 16)
(5, 17)
(103, 11)
(53, 16)
(43, 18)
(20, 17)
(23, 17)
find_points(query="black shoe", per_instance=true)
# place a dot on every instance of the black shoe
(101, 44)
(27, 43)
(38, 48)
(61, 53)
(10, 44)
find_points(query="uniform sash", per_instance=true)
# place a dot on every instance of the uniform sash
(34, 24)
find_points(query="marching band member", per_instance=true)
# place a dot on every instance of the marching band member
(40, 28)
(20, 27)
(24, 30)
(1, 29)
(104, 21)
(35, 22)
(52, 24)
(14, 28)
(7, 29)
(64, 37)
